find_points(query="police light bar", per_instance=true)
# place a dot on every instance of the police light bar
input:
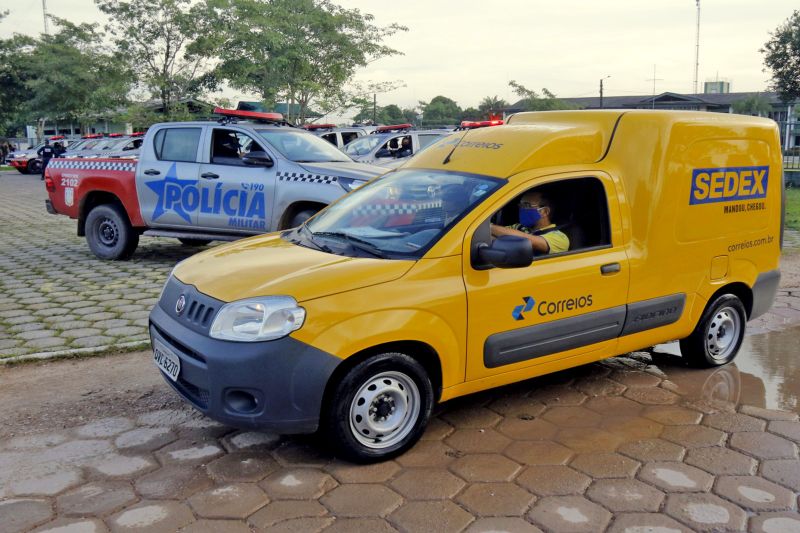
(92, 136)
(470, 124)
(318, 126)
(137, 134)
(115, 135)
(394, 127)
(254, 115)
(56, 137)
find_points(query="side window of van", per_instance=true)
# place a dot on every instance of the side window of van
(578, 209)
(330, 137)
(177, 144)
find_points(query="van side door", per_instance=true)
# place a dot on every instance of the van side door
(563, 305)
(166, 176)
(235, 197)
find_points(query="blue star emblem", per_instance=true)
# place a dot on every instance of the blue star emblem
(160, 187)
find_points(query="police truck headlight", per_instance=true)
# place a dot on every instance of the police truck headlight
(350, 184)
(258, 319)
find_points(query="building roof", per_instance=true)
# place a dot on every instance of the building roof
(666, 99)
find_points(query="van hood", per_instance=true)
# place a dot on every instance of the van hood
(348, 169)
(267, 265)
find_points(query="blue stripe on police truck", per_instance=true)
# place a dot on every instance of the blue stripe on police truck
(728, 184)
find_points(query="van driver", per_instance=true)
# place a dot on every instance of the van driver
(535, 212)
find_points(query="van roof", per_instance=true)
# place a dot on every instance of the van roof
(554, 138)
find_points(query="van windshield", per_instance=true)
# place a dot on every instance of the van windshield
(398, 216)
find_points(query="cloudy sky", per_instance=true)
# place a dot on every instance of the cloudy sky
(469, 49)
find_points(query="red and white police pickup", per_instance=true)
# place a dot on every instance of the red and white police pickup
(246, 174)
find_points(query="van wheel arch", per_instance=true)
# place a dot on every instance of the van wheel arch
(423, 353)
(296, 208)
(741, 291)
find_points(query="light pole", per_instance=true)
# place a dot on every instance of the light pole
(601, 90)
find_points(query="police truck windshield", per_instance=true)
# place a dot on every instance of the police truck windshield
(400, 215)
(363, 145)
(302, 147)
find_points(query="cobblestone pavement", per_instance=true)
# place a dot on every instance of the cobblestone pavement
(54, 294)
(631, 444)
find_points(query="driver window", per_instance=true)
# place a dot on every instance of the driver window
(229, 146)
(571, 215)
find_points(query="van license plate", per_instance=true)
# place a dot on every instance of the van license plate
(166, 360)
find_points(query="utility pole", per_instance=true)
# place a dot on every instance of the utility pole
(601, 90)
(44, 14)
(654, 80)
(374, 107)
(697, 48)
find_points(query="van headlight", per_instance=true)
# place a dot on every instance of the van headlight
(258, 319)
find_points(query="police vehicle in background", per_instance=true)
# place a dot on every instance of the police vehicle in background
(339, 137)
(387, 144)
(28, 161)
(246, 174)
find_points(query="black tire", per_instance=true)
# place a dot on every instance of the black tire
(34, 166)
(405, 389)
(109, 233)
(194, 242)
(719, 333)
(301, 217)
(23, 170)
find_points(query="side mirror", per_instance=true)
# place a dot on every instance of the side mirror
(383, 152)
(258, 159)
(507, 251)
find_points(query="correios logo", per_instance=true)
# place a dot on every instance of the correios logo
(546, 307)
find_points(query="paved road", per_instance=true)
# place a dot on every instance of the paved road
(54, 294)
(631, 444)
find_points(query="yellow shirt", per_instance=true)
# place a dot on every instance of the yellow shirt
(557, 240)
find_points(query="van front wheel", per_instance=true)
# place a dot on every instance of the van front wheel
(380, 408)
(718, 335)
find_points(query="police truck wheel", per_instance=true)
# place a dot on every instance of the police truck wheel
(34, 166)
(194, 242)
(379, 409)
(109, 233)
(718, 335)
(301, 217)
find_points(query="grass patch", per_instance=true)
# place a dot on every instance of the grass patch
(793, 208)
(6, 167)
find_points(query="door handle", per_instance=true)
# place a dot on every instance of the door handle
(209, 175)
(152, 172)
(610, 268)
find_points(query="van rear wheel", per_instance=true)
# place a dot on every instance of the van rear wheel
(193, 242)
(379, 409)
(719, 333)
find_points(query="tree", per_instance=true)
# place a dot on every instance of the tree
(532, 101)
(160, 41)
(14, 74)
(492, 103)
(782, 58)
(440, 110)
(71, 77)
(471, 113)
(300, 51)
(756, 104)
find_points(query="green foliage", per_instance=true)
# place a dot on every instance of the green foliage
(756, 104)
(390, 114)
(533, 101)
(793, 208)
(440, 111)
(492, 103)
(14, 74)
(299, 51)
(472, 113)
(782, 58)
(160, 41)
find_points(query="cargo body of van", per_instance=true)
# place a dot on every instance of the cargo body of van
(397, 296)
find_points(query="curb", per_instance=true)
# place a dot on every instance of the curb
(75, 352)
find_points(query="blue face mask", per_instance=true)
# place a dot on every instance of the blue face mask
(529, 216)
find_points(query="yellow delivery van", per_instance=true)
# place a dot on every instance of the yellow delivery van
(496, 255)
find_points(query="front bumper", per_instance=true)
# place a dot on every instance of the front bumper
(21, 164)
(285, 378)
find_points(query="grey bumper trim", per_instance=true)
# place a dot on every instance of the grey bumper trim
(764, 290)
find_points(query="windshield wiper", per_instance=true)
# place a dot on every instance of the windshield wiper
(309, 235)
(361, 244)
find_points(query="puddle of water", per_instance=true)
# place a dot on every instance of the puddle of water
(143, 516)
(765, 373)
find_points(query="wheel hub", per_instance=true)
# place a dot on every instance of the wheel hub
(108, 232)
(723, 333)
(384, 410)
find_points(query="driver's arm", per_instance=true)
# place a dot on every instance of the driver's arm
(540, 244)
